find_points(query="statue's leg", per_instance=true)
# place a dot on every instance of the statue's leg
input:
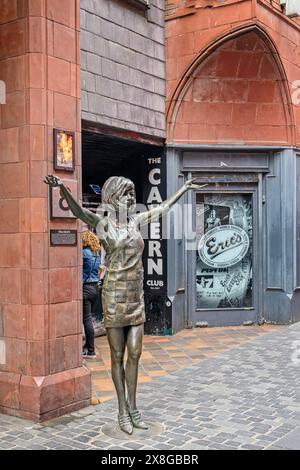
(134, 350)
(117, 341)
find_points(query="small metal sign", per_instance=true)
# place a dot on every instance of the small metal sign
(59, 208)
(63, 237)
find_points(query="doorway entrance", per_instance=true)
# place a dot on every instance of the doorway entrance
(104, 156)
(223, 283)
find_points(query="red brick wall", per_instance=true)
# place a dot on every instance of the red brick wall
(191, 36)
(285, 33)
(40, 287)
(234, 95)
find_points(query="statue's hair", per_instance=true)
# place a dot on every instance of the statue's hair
(114, 188)
(89, 239)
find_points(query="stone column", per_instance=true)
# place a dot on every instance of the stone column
(41, 372)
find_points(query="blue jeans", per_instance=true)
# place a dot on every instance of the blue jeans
(90, 297)
(97, 312)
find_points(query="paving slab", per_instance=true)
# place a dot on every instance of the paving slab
(246, 397)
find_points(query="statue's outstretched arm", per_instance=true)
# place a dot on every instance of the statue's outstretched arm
(83, 214)
(156, 212)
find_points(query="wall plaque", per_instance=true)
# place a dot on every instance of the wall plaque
(59, 208)
(63, 237)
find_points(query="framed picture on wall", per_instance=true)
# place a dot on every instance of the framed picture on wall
(64, 150)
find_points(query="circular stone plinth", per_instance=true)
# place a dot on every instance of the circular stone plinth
(113, 430)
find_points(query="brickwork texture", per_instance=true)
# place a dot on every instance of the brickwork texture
(232, 72)
(41, 374)
(123, 65)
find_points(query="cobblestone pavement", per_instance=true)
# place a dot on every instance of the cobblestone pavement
(163, 355)
(245, 398)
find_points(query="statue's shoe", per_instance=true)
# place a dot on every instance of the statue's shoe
(125, 423)
(136, 419)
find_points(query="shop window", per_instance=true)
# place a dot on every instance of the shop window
(224, 257)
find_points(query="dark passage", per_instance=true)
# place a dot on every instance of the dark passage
(104, 156)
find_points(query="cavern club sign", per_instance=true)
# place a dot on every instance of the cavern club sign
(155, 252)
(223, 246)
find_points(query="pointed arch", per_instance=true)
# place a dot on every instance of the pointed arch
(232, 51)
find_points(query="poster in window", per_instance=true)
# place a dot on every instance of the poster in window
(225, 251)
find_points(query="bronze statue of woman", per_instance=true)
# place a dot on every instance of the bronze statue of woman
(122, 292)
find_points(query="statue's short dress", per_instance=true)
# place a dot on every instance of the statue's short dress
(122, 292)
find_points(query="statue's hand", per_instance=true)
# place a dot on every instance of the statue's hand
(190, 184)
(53, 181)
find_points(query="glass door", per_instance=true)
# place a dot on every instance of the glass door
(224, 258)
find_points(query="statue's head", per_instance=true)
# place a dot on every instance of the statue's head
(119, 192)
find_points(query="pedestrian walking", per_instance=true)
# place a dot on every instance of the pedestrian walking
(91, 288)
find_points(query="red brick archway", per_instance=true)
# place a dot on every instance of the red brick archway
(236, 93)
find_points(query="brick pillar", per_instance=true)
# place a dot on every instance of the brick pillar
(41, 372)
